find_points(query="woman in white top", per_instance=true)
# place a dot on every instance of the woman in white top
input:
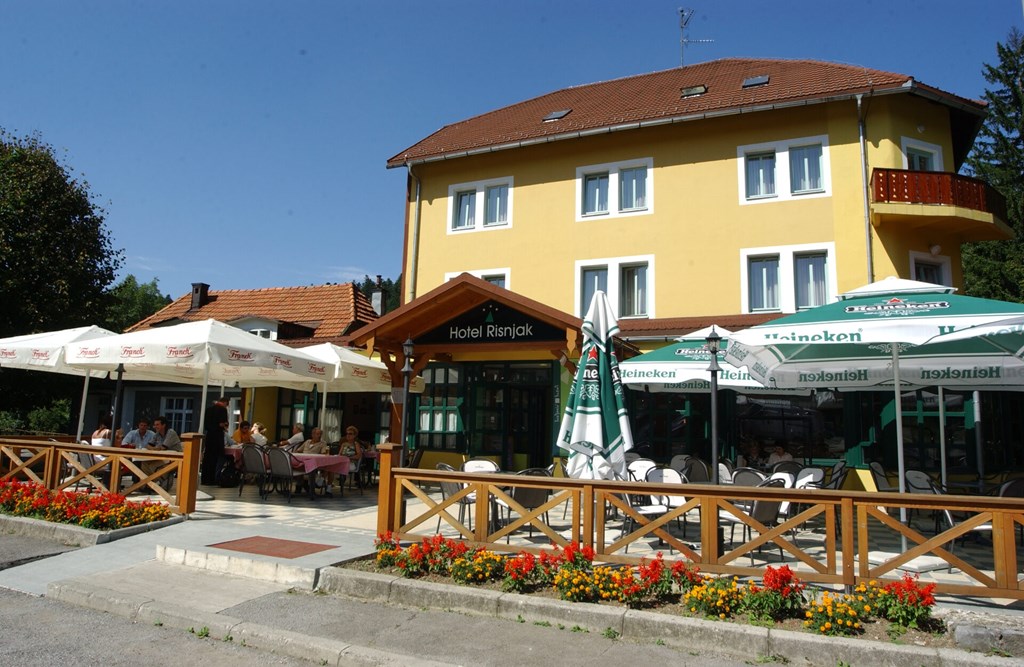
(101, 436)
(257, 433)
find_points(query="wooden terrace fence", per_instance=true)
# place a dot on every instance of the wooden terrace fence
(55, 463)
(851, 522)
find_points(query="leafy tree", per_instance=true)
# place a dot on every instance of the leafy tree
(55, 418)
(56, 258)
(132, 302)
(995, 269)
(391, 297)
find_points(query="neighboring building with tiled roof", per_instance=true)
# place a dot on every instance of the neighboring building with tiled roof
(294, 316)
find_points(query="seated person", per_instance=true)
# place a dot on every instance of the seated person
(258, 434)
(317, 445)
(351, 445)
(167, 440)
(751, 456)
(297, 437)
(141, 437)
(780, 454)
(243, 434)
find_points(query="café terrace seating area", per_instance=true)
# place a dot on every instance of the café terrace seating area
(967, 544)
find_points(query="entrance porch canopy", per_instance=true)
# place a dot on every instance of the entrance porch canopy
(467, 317)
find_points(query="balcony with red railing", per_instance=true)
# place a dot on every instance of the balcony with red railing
(942, 201)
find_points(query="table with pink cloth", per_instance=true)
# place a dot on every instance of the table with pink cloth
(235, 453)
(329, 462)
(310, 462)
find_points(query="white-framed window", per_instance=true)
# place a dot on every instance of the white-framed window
(810, 279)
(264, 333)
(499, 277)
(480, 205)
(760, 175)
(628, 282)
(920, 155)
(763, 277)
(179, 413)
(784, 170)
(787, 278)
(615, 189)
(928, 268)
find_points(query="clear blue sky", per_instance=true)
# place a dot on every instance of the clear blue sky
(242, 143)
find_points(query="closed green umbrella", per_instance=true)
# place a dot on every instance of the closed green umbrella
(595, 427)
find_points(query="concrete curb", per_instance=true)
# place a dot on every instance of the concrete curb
(69, 534)
(739, 640)
(220, 627)
(242, 565)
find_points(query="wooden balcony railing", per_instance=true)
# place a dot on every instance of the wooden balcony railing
(58, 466)
(838, 538)
(940, 188)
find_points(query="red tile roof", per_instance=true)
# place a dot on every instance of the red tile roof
(673, 327)
(654, 98)
(322, 312)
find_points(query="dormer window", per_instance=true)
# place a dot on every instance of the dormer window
(557, 115)
(693, 91)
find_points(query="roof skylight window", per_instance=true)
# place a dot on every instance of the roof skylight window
(694, 91)
(759, 80)
(557, 115)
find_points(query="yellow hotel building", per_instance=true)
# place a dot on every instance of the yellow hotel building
(727, 192)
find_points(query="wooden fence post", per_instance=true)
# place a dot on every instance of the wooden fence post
(188, 475)
(386, 496)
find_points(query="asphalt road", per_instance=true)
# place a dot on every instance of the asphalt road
(38, 631)
(42, 631)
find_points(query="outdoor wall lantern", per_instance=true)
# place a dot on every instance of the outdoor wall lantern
(714, 343)
(407, 351)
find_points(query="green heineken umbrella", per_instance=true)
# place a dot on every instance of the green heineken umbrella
(891, 331)
(682, 367)
(595, 427)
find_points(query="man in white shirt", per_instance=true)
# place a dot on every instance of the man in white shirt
(297, 438)
(167, 439)
(141, 437)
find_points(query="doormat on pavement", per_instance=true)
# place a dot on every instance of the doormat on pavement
(274, 547)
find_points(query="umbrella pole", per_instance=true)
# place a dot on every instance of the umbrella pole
(323, 409)
(897, 394)
(81, 409)
(942, 435)
(202, 409)
(979, 439)
(118, 396)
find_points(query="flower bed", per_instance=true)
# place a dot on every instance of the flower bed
(878, 611)
(100, 511)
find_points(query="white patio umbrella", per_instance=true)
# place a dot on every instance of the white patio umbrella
(595, 427)
(198, 353)
(45, 352)
(350, 371)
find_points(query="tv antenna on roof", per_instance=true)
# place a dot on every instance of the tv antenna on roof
(684, 20)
